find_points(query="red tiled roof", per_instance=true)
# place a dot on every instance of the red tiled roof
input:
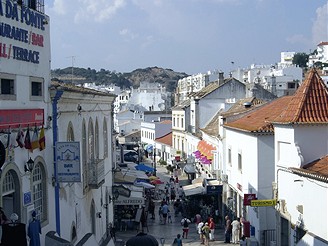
(260, 119)
(317, 170)
(309, 104)
(166, 139)
(318, 166)
(323, 43)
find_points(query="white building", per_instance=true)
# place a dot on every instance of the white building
(82, 117)
(25, 76)
(321, 55)
(278, 153)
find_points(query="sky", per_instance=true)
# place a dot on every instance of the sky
(191, 36)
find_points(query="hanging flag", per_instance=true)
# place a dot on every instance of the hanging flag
(27, 141)
(35, 139)
(42, 140)
(20, 137)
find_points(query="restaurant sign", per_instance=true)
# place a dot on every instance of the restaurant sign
(15, 118)
(263, 203)
(129, 201)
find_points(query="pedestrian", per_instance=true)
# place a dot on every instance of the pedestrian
(185, 227)
(212, 227)
(172, 195)
(3, 220)
(34, 231)
(197, 219)
(176, 206)
(200, 231)
(227, 229)
(235, 230)
(160, 213)
(165, 210)
(177, 241)
(169, 216)
(206, 234)
(152, 209)
(112, 232)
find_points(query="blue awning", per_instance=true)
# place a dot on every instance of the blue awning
(143, 167)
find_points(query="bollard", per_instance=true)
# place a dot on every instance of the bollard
(162, 241)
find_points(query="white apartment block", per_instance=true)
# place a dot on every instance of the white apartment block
(193, 83)
(320, 56)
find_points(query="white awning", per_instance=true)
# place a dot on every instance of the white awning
(193, 189)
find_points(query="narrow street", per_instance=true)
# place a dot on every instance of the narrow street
(170, 230)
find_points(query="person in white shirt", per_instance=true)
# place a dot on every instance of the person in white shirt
(199, 230)
(235, 230)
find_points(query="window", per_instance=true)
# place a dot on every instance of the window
(182, 123)
(229, 156)
(291, 86)
(240, 162)
(39, 192)
(70, 132)
(36, 88)
(7, 87)
(105, 138)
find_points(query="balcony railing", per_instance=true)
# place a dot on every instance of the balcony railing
(96, 173)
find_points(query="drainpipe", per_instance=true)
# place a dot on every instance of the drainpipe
(55, 135)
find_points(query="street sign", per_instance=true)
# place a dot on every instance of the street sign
(263, 203)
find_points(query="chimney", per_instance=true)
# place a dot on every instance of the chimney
(221, 78)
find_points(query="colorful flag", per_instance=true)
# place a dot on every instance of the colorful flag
(20, 137)
(27, 141)
(35, 139)
(42, 140)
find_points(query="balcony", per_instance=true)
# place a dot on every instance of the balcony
(96, 173)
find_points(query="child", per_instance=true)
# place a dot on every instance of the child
(169, 218)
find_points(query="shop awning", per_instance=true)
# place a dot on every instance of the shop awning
(193, 189)
(205, 150)
(144, 184)
(145, 168)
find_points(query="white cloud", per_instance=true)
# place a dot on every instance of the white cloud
(59, 7)
(97, 10)
(127, 34)
(320, 25)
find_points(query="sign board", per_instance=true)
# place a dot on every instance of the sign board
(213, 189)
(27, 198)
(248, 198)
(263, 203)
(68, 162)
(129, 201)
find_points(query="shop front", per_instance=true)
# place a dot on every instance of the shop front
(126, 206)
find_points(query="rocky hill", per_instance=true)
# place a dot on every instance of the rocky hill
(165, 77)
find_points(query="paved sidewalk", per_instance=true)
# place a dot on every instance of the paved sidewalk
(169, 231)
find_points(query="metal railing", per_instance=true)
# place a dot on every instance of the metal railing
(268, 236)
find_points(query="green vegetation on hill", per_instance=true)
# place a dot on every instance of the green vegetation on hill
(165, 77)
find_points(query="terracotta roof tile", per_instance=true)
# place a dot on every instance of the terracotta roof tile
(318, 166)
(309, 104)
(166, 139)
(259, 120)
(323, 43)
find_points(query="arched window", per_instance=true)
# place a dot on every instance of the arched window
(97, 140)
(84, 158)
(91, 141)
(73, 233)
(93, 217)
(39, 192)
(11, 193)
(105, 131)
(70, 132)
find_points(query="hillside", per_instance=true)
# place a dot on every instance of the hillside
(165, 77)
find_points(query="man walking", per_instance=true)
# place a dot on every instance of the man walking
(235, 230)
(227, 232)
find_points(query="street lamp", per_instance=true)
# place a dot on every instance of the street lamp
(29, 165)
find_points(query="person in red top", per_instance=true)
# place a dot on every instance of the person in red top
(212, 228)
